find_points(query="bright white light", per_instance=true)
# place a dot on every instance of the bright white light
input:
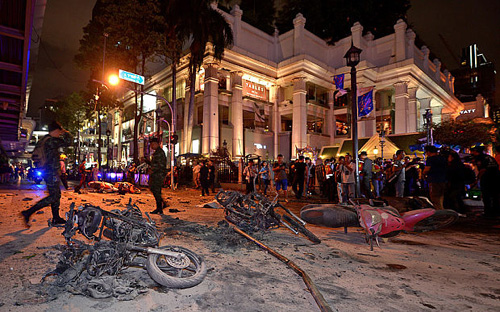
(195, 147)
(149, 102)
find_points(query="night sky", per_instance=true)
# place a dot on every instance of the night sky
(460, 23)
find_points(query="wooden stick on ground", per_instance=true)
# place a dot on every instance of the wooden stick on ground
(318, 297)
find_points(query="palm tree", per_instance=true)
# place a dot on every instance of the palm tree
(205, 24)
(175, 35)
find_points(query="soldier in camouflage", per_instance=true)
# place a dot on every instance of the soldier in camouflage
(158, 171)
(58, 137)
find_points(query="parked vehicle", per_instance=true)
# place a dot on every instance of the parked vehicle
(133, 241)
(377, 219)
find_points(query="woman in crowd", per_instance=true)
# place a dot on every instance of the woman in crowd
(264, 174)
(250, 173)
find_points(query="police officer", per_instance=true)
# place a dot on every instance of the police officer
(158, 171)
(57, 138)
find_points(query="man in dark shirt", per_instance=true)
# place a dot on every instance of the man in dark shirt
(204, 179)
(489, 181)
(57, 138)
(435, 169)
(366, 174)
(158, 171)
(211, 175)
(299, 170)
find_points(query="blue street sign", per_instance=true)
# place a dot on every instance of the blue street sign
(125, 75)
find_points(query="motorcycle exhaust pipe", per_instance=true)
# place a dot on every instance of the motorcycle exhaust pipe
(157, 251)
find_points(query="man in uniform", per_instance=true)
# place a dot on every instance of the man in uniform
(158, 171)
(57, 138)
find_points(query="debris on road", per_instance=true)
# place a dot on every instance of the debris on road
(213, 204)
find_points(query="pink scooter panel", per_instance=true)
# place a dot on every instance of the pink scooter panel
(414, 216)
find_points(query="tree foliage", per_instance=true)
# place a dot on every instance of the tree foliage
(134, 31)
(332, 20)
(463, 133)
(71, 111)
(205, 24)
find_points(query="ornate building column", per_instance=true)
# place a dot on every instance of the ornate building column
(210, 131)
(330, 118)
(299, 119)
(411, 122)
(401, 107)
(276, 98)
(237, 114)
(186, 145)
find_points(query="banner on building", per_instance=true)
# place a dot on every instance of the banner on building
(339, 85)
(254, 90)
(365, 101)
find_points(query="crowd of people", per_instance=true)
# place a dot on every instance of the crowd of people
(443, 176)
(11, 172)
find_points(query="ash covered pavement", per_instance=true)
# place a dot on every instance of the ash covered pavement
(453, 269)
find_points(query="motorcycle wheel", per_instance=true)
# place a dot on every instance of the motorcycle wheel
(439, 219)
(171, 273)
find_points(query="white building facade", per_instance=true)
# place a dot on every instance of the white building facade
(271, 94)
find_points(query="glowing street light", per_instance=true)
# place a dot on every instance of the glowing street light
(113, 80)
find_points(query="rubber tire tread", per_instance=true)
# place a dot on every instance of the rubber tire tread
(429, 224)
(173, 282)
(313, 238)
(343, 218)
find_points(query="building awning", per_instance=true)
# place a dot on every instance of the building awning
(347, 146)
(329, 152)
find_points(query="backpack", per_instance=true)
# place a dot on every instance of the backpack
(469, 175)
(38, 157)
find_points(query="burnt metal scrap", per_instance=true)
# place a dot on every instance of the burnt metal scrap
(95, 269)
(255, 212)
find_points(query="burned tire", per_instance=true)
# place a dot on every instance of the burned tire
(439, 219)
(302, 229)
(330, 216)
(174, 273)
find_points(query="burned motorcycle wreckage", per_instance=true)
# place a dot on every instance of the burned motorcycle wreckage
(255, 212)
(132, 241)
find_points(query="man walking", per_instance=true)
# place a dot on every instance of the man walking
(158, 171)
(435, 169)
(83, 176)
(51, 172)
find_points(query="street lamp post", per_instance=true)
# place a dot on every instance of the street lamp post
(352, 59)
(382, 142)
(108, 133)
(114, 81)
(428, 126)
